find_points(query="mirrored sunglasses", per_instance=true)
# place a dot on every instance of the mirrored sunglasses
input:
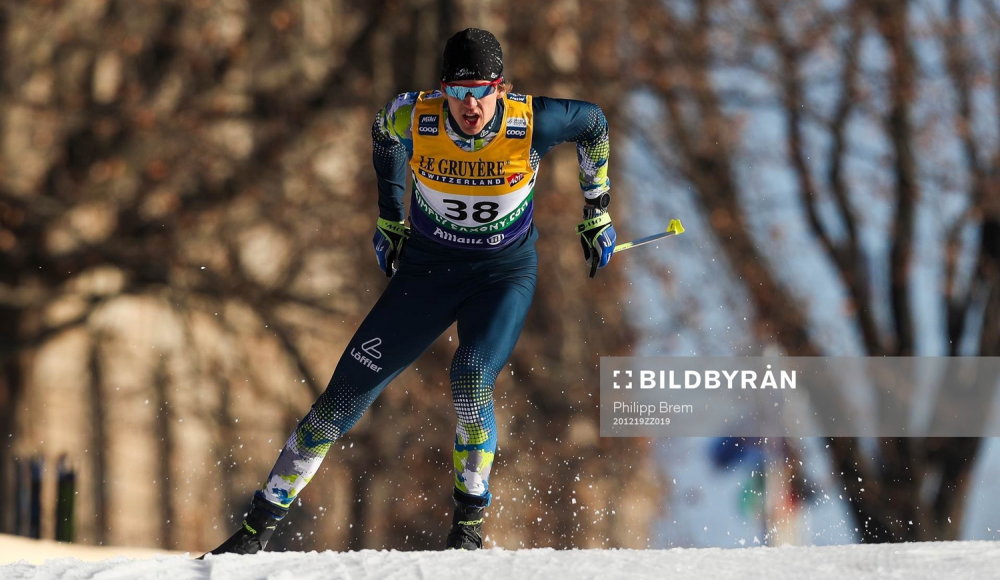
(477, 91)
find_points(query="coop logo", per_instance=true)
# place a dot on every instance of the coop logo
(514, 179)
(369, 348)
(516, 132)
(428, 125)
(517, 128)
(494, 239)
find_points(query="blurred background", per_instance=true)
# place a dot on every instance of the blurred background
(187, 203)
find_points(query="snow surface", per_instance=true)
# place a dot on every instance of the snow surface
(921, 561)
(19, 548)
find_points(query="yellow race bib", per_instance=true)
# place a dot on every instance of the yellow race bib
(476, 200)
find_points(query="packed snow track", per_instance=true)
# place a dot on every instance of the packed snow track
(922, 561)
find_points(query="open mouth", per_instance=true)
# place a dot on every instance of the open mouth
(471, 119)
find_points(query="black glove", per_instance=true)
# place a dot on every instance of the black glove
(597, 235)
(388, 242)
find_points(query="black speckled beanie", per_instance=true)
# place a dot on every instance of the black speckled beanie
(472, 54)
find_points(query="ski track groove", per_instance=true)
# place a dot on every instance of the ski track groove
(422, 570)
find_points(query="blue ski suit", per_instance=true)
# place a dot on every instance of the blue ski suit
(487, 291)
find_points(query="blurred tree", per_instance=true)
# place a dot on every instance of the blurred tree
(840, 84)
(186, 204)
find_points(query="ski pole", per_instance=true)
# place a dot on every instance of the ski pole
(674, 228)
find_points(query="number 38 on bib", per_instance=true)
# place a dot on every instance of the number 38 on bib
(476, 200)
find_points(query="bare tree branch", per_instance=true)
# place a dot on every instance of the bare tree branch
(891, 19)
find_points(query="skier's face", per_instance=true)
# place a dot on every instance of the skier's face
(471, 113)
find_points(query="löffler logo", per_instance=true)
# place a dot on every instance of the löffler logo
(369, 347)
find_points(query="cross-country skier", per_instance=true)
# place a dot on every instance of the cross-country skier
(472, 150)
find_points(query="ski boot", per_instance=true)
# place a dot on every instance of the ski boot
(466, 528)
(257, 529)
